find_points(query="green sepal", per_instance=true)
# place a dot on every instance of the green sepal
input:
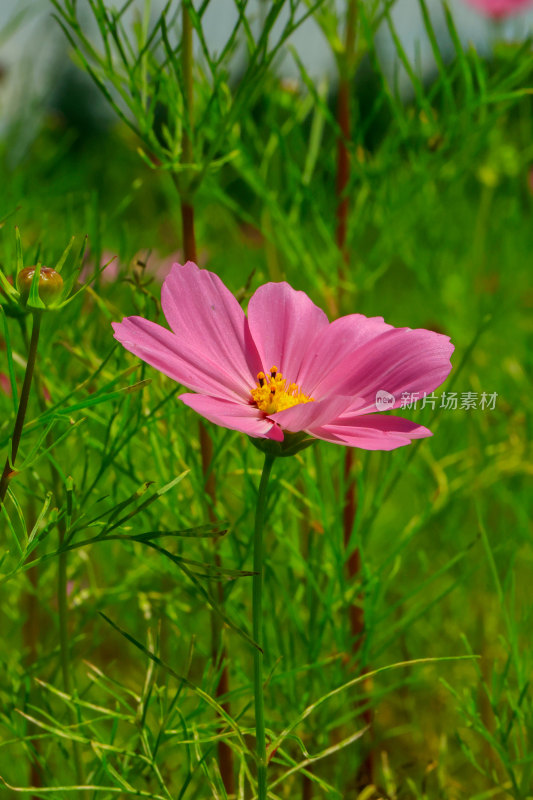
(10, 291)
(34, 300)
(71, 262)
(71, 253)
(18, 246)
(291, 444)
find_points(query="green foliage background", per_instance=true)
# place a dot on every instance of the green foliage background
(440, 236)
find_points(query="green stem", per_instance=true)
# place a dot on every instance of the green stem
(62, 596)
(23, 405)
(187, 208)
(62, 602)
(347, 64)
(187, 67)
(257, 613)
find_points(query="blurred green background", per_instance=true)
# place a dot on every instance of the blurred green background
(440, 235)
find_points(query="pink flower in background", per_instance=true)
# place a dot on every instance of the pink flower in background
(109, 275)
(145, 263)
(285, 367)
(500, 8)
(5, 385)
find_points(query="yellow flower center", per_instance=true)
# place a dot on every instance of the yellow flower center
(272, 393)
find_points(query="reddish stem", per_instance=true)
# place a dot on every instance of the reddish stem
(225, 753)
(218, 650)
(343, 171)
(343, 208)
(307, 787)
(357, 619)
(353, 566)
(9, 468)
(187, 223)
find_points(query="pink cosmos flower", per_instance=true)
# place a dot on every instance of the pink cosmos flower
(500, 8)
(285, 367)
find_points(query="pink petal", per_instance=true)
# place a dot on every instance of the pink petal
(210, 324)
(372, 432)
(307, 415)
(400, 360)
(235, 416)
(282, 322)
(164, 350)
(332, 345)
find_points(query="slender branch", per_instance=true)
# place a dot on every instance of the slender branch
(23, 405)
(31, 636)
(346, 72)
(346, 67)
(62, 602)
(187, 67)
(187, 224)
(257, 614)
(62, 594)
(347, 64)
(4, 483)
(218, 648)
(225, 753)
(187, 209)
(31, 629)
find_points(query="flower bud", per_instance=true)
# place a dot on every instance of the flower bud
(50, 284)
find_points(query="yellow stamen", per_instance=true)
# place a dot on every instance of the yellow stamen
(272, 393)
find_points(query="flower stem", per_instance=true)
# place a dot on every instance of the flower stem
(346, 76)
(187, 209)
(187, 224)
(62, 603)
(187, 67)
(218, 647)
(62, 599)
(225, 753)
(347, 69)
(257, 613)
(31, 629)
(62, 593)
(7, 474)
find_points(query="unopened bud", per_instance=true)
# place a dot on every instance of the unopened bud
(50, 284)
